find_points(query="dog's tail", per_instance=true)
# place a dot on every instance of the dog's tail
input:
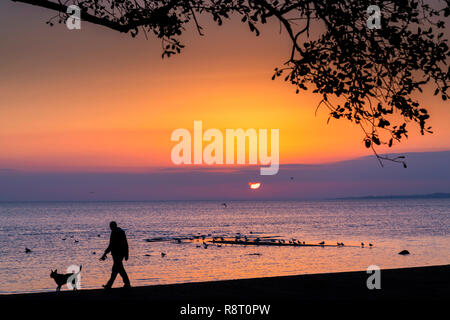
(73, 278)
(78, 272)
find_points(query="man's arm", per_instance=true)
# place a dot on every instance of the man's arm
(125, 245)
(108, 250)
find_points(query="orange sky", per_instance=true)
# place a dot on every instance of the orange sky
(97, 98)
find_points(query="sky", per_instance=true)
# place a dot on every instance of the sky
(427, 173)
(96, 101)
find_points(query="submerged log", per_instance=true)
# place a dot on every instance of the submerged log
(271, 243)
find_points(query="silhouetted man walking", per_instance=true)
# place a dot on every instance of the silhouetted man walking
(118, 246)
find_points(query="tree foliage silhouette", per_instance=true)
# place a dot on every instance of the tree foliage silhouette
(367, 76)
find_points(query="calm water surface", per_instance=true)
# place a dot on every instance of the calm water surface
(421, 226)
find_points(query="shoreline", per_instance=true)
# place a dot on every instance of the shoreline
(430, 283)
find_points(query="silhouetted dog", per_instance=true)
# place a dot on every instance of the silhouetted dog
(61, 279)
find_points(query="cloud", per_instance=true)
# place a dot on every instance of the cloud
(427, 172)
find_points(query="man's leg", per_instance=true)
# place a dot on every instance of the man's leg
(123, 273)
(115, 270)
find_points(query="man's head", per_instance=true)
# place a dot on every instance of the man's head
(113, 225)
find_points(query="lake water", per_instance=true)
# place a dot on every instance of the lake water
(418, 225)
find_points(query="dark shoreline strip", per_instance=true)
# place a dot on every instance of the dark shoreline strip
(418, 283)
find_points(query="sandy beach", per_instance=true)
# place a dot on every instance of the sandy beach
(421, 283)
(404, 293)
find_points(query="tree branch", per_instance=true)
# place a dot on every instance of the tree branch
(84, 15)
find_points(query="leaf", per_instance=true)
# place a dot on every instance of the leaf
(252, 27)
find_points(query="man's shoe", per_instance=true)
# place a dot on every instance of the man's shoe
(106, 287)
(127, 286)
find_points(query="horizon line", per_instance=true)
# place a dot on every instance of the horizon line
(433, 195)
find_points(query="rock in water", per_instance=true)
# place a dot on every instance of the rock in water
(404, 252)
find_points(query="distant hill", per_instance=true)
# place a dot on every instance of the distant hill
(410, 196)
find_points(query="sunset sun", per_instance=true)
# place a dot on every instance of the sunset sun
(254, 185)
